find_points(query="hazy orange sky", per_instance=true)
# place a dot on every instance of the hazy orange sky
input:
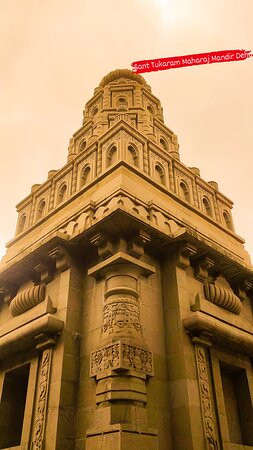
(54, 53)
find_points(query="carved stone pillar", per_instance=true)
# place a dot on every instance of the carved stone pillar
(122, 363)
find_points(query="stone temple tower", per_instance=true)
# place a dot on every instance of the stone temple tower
(126, 296)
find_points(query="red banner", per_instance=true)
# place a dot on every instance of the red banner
(151, 65)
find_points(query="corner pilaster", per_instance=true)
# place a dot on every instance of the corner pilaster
(122, 363)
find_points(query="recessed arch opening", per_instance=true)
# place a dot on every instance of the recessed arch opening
(132, 155)
(86, 176)
(22, 223)
(62, 194)
(41, 209)
(163, 143)
(207, 206)
(227, 220)
(159, 174)
(184, 191)
(112, 155)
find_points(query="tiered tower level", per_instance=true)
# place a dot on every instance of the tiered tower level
(126, 295)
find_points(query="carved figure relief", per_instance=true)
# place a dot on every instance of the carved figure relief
(137, 358)
(121, 314)
(121, 356)
(205, 398)
(105, 358)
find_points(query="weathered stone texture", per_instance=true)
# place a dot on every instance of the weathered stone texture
(126, 295)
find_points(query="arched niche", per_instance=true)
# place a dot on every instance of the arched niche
(94, 111)
(184, 191)
(62, 194)
(82, 145)
(227, 220)
(207, 206)
(132, 155)
(122, 104)
(86, 176)
(111, 155)
(41, 209)
(163, 143)
(159, 174)
(21, 223)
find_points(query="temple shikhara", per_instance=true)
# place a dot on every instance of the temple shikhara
(125, 295)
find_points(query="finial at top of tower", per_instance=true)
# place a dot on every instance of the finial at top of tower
(122, 73)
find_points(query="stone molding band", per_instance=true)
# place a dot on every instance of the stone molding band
(222, 297)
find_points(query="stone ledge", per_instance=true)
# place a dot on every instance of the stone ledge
(37, 311)
(22, 338)
(121, 258)
(200, 323)
(205, 306)
(124, 428)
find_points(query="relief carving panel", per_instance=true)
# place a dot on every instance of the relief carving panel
(205, 398)
(40, 417)
(120, 355)
(121, 314)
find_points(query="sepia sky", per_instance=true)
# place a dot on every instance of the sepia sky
(55, 52)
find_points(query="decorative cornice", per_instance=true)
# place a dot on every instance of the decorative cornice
(45, 272)
(137, 242)
(183, 254)
(202, 266)
(104, 244)
(62, 258)
(121, 202)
